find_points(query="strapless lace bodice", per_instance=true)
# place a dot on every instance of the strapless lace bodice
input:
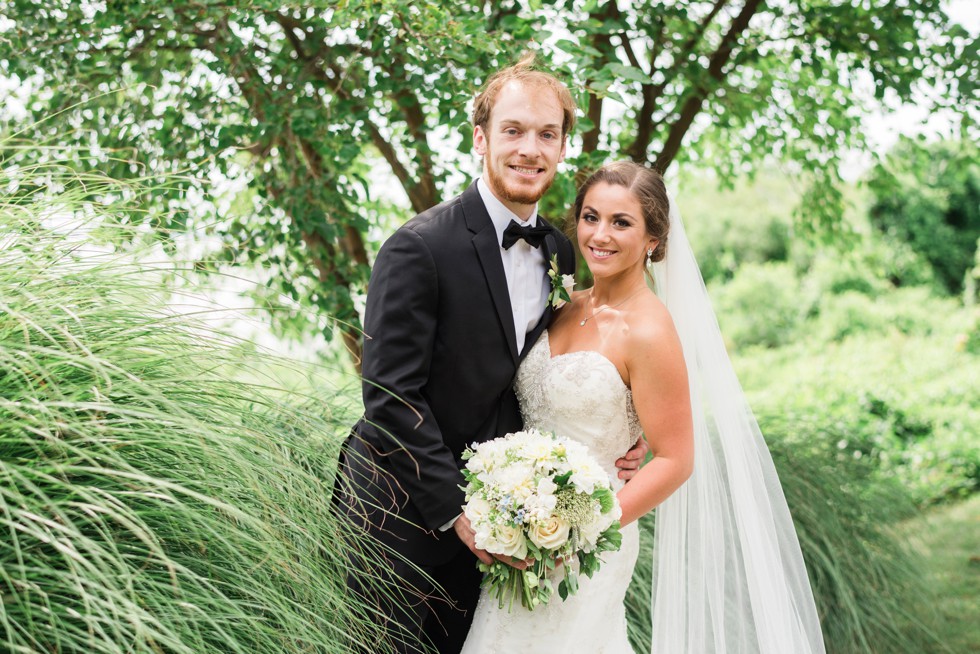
(579, 395)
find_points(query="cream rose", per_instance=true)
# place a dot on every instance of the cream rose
(549, 534)
(510, 542)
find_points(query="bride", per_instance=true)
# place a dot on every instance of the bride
(619, 360)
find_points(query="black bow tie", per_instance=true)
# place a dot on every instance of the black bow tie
(533, 235)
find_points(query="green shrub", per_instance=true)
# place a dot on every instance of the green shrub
(760, 306)
(929, 197)
(911, 311)
(908, 402)
(729, 228)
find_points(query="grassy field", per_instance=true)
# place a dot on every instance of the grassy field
(949, 538)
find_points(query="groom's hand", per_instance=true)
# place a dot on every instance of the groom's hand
(468, 536)
(630, 463)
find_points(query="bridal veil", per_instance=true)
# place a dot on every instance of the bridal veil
(728, 575)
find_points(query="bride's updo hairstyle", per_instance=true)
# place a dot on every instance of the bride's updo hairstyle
(647, 186)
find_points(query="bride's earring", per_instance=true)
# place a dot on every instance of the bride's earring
(649, 253)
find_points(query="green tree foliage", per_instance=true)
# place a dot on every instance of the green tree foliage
(929, 197)
(310, 106)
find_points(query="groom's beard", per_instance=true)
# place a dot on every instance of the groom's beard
(513, 192)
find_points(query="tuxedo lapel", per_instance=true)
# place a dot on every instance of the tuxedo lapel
(488, 251)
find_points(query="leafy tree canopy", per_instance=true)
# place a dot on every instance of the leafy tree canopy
(308, 107)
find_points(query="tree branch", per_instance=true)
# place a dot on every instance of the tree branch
(422, 193)
(603, 43)
(652, 94)
(695, 100)
(644, 117)
(411, 106)
(624, 42)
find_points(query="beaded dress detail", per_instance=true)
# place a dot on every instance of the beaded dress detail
(579, 395)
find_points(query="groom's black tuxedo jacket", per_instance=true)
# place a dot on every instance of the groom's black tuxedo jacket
(440, 357)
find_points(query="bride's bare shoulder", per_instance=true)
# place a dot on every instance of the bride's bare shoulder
(651, 329)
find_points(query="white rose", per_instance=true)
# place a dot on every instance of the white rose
(568, 281)
(550, 534)
(510, 542)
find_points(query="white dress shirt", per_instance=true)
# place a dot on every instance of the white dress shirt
(524, 267)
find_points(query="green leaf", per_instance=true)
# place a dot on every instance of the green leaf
(629, 73)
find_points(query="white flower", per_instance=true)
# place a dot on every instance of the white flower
(587, 477)
(549, 534)
(561, 285)
(514, 479)
(510, 542)
(483, 538)
(477, 510)
(540, 507)
(546, 486)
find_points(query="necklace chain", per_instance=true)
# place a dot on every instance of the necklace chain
(608, 306)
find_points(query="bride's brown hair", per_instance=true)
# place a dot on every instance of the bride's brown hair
(647, 186)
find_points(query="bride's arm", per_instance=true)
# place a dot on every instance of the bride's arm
(658, 378)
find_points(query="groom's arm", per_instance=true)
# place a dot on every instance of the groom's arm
(399, 333)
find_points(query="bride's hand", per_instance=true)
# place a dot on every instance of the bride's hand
(631, 461)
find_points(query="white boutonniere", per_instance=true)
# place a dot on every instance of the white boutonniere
(561, 285)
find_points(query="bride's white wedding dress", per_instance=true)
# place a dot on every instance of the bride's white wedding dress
(579, 395)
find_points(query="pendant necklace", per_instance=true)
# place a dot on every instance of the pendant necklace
(596, 313)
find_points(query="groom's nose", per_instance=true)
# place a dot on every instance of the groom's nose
(528, 145)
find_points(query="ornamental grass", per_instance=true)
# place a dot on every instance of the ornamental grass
(150, 500)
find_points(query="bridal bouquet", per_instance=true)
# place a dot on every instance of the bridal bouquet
(537, 496)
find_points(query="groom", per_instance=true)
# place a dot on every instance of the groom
(458, 296)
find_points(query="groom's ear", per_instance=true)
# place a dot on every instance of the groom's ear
(480, 141)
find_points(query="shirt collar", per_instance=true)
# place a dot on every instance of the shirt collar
(501, 215)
